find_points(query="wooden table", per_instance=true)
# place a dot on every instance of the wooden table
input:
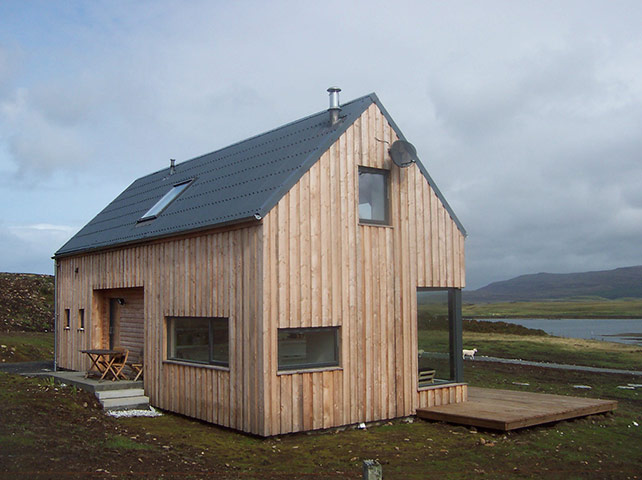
(106, 362)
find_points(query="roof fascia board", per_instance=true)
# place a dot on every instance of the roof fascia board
(239, 223)
(422, 169)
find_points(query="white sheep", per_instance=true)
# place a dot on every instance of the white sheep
(469, 353)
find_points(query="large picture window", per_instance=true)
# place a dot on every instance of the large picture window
(199, 340)
(302, 348)
(373, 196)
(439, 336)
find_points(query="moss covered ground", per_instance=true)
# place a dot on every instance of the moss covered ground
(49, 431)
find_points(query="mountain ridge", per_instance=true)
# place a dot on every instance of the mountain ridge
(623, 282)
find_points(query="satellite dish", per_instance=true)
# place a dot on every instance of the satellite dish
(403, 153)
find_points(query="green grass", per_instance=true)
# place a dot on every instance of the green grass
(578, 308)
(573, 351)
(79, 438)
(125, 443)
(26, 346)
(534, 347)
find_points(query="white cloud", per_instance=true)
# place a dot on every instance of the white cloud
(527, 116)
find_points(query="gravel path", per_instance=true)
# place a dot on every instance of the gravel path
(559, 366)
(27, 367)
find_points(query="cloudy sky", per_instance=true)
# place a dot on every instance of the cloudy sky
(528, 115)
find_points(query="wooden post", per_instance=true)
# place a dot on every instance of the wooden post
(372, 470)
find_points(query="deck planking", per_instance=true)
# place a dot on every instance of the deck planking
(509, 410)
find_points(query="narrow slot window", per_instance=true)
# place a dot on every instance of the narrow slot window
(81, 319)
(67, 319)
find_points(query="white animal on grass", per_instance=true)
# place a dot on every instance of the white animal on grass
(469, 353)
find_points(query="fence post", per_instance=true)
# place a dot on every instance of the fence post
(372, 470)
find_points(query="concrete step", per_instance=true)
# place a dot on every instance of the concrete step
(121, 393)
(93, 384)
(104, 385)
(126, 403)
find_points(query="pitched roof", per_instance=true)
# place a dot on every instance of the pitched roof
(238, 183)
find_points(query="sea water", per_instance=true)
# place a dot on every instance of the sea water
(621, 330)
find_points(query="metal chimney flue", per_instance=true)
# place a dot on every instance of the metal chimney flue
(172, 166)
(335, 108)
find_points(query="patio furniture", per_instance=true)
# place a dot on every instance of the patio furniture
(107, 362)
(426, 375)
(118, 363)
(135, 364)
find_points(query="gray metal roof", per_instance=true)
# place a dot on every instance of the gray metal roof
(238, 183)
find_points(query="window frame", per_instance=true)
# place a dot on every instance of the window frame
(81, 319)
(455, 331)
(386, 175)
(171, 339)
(301, 367)
(166, 200)
(67, 319)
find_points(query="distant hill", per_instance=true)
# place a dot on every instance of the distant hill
(26, 302)
(611, 284)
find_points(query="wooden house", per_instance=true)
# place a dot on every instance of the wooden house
(276, 285)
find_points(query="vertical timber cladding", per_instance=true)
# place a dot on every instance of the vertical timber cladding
(322, 268)
(129, 331)
(213, 275)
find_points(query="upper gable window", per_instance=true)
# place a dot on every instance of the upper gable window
(373, 196)
(164, 202)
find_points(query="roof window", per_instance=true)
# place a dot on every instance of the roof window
(164, 202)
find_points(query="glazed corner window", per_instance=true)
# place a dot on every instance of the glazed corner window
(373, 196)
(81, 319)
(439, 327)
(164, 202)
(198, 340)
(302, 348)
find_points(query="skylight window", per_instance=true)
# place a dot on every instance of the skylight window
(164, 202)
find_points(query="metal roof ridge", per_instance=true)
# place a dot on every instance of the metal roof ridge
(285, 125)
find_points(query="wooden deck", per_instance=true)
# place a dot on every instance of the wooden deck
(509, 410)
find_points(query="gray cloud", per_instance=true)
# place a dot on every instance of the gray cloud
(527, 116)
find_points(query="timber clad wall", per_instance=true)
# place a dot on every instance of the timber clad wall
(322, 268)
(211, 275)
(309, 263)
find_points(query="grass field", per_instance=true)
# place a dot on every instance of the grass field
(573, 351)
(58, 432)
(26, 346)
(577, 308)
(503, 340)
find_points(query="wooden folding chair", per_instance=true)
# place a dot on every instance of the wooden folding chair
(136, 365)
(117, 363)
